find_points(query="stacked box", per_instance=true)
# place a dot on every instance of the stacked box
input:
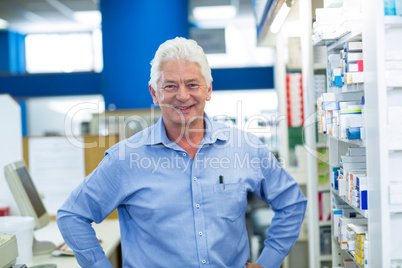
(352, 167)
(361, 192)
(341, 211)
(356, 241)
(341, 119)
(334, 71)
(319, 85)
(359, 245)
(333, 22)
(345, 233)
(352, 62)
(294, 91)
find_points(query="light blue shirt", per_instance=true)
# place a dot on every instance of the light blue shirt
(175, 211)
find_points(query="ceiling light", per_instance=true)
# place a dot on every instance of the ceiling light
(280, 18)
(3, 24)
(214, 12)
(88, 17)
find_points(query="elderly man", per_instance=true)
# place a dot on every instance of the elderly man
(181, 186)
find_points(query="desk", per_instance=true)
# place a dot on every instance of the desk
(108, 231)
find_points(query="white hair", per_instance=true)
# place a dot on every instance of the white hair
(179, 48)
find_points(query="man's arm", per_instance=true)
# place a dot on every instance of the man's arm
(80, 236)
(278, 189)
(92, 201)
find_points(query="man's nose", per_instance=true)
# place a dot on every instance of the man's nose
(182, 93)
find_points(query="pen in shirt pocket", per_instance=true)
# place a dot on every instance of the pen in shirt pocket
(222, 181)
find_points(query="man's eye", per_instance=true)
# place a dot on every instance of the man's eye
(193, 85)
(170, 87)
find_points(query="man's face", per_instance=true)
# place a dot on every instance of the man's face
(182, 93)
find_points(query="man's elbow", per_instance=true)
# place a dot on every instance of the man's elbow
(61, 219)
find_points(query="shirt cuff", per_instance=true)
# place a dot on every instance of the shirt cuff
(270, 258)
(102, 263)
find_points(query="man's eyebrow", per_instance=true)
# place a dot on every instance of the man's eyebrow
(169, 82)
(192, 80)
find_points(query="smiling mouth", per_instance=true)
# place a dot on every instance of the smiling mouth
(183, 108)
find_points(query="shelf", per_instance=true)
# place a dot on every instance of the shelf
(322, 145)
(350, 254)
(322, 42)
(353, 88)
(320, 66)
(352, 95)
(360, 211)
(394, 88)
(395, 208)
(353, 258)
(361, 143)
(324, 188)
(324, 224)
(327, 257)
(338, 42)
(333, 3)
(347, 37)
(393, 21)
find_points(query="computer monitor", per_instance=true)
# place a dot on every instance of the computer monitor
(28, 200)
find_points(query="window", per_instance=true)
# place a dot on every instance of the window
(64, 115)
(227, 31)
(255, 111)
(64, 52)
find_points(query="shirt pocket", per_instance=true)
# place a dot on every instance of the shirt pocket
(230, 200)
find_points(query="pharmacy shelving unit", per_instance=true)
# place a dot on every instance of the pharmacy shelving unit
(382, 37)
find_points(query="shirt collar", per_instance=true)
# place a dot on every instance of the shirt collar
(213, 132)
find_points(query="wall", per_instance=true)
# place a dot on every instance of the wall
(50, 84)
(132, 32)
(12, 52)
(10, 145)
(130, 41)
(243, 78)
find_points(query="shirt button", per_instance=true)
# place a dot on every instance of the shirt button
(195, 178)
(204, 261)
(184, 154)
(200, 233)
(197, 205)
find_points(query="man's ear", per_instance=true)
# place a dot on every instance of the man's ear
(209, 92)
(153, 94)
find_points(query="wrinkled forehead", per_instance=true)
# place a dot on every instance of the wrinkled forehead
(164, 65)
(180, 69)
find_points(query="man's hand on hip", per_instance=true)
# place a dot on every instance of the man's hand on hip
(253, 265)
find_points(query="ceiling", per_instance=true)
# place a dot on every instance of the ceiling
(40, 16)
(31, 16)
(243, 7)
